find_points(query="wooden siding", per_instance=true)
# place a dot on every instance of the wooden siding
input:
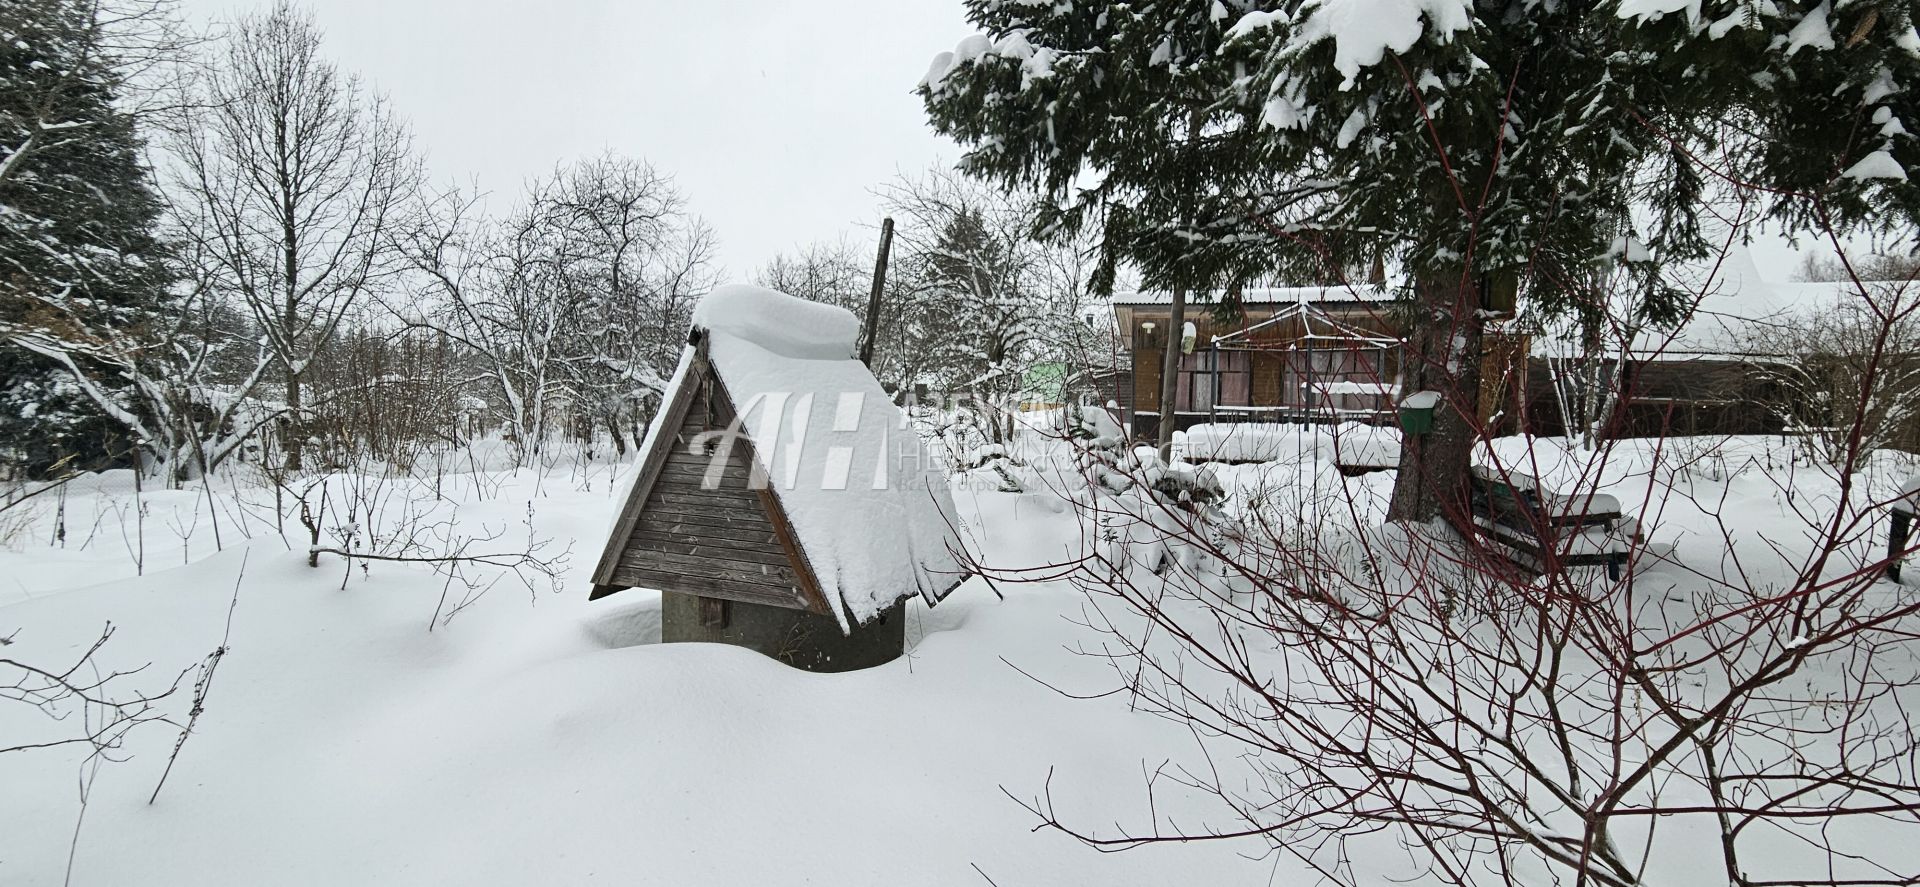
(1146, 379)
(1669, 397)
(719, 542)
(1269, 371)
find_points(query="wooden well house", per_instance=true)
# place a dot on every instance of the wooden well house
(780, 501)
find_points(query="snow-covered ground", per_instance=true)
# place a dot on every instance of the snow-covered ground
(543, 739)
(538, 738)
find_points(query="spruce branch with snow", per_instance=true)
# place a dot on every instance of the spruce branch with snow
(81, 259)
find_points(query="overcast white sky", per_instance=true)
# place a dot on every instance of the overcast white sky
(776, 118)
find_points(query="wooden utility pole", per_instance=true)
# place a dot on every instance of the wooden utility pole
(873, 299)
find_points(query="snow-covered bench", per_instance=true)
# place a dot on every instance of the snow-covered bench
(1582, 530)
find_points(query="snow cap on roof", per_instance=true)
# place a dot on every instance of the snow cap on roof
(1268, 295)
(1733, 306)
(779, 323)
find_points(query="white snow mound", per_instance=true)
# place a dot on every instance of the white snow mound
(779, 323)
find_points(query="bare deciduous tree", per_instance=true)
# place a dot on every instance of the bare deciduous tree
(1854, 363)
(1355, 688)
(574, 307)
(287, 178)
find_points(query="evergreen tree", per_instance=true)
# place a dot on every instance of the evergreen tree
(78, 252)
(1481, 145)
(1061, 91)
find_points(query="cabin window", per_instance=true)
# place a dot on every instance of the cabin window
(1338, 379)
(1207, 375)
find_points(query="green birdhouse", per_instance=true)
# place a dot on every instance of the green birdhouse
(1416, 412)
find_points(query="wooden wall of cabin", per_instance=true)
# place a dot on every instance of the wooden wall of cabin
(1269, 378)
(1504, 371)
(1669, 397)
(1687, 397)
(1147, 350)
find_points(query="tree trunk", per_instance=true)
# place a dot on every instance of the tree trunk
(296, 424)
(619, 439)
(1443, 355)
(1170, 372)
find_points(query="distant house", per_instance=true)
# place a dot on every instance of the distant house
(1291, 354)
(1333, 353)
(1703, 377)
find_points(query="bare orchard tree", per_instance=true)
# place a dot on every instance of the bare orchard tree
(833, 272)
(840, 272)
(634, 260)
(579, 300)
(490, 287)
(286, 178)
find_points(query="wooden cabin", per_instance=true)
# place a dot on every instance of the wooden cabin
(1291, 354)
(780, 501)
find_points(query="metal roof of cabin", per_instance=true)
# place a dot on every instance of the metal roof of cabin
(1268, 295)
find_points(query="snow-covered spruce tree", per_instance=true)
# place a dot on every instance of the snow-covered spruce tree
(976, 302)
(1058, 92)
(1481, 146)
(78, 251)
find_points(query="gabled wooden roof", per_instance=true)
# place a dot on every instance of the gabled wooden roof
(697, 525)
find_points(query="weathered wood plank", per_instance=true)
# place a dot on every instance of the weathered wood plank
(772, 596)
(684, 485)
(808, 583)
(704, 499)
(710, 567)
(713, 612)
(668, 512)
(678, 408)
(696, 469)
(719, 550)
(737, 536)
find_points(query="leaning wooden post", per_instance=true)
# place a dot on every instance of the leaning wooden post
(873, 298)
